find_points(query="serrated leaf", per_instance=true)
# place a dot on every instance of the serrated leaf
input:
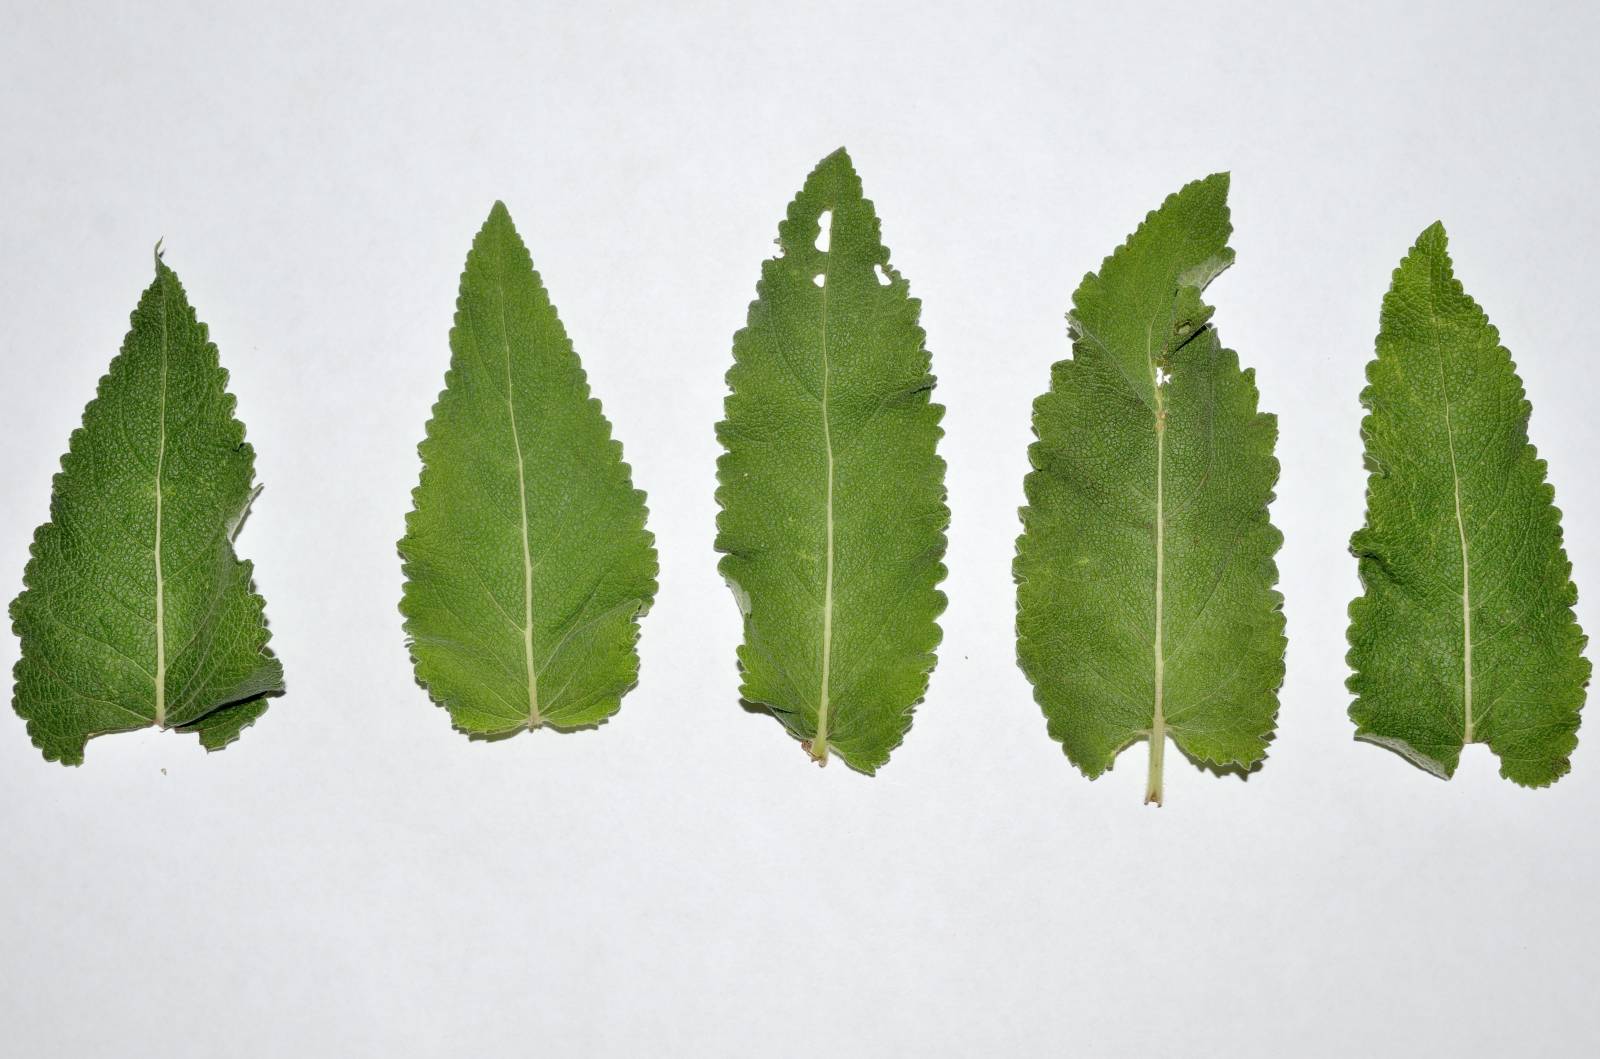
(135, 610)
(831, 489)
(1464, 632)
(1145, 599)
(526, 559)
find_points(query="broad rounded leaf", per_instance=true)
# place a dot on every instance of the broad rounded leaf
(832, 493)
(1464, 632)
(1145, 599)
(135, 610)
(527, 563)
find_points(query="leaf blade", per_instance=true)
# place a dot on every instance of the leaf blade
(1464, 631)
(526, 557)
(135, 611)
(1145, 599)
(831, 491)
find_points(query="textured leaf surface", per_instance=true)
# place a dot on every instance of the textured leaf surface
(832, 493)
(527, 562)
(1464, 632)
(135, 610)
(1145, 573)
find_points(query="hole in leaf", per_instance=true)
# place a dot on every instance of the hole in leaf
(825, 230)
(883, 276)
(1163, 374)
(817, 279)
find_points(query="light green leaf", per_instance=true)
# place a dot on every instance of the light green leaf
(1464, 632)
(1145, 599)
(135, 610)
(832, 493)
(527, 562)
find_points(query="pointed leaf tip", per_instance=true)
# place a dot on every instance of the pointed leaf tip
(837, 163)
(833, 179)
(1213, 186)
(498, 214)
(497, 230)
(1431, 243)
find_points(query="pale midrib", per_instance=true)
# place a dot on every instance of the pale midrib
(1158, 721)
(522, 508)
(1466, 569)
(819, 745)
(1467, 734)
(161, 588)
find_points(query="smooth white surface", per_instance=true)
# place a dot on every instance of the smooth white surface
(354, 878)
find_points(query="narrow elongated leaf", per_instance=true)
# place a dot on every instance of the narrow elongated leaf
(527, 562)
(1145, 573)
(1464, 632)
(135, 610)
(832, 493)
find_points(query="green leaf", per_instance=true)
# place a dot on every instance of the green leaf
(1145, 599)
(832, 493)
(135, 610)
(1464, 632)
(527, 562)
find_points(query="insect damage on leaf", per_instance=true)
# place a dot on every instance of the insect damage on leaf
(526, 557)
(832, 492)
(136, 611)
(1145, 573)
(1464, 632)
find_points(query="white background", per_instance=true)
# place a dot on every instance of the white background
(355, 878)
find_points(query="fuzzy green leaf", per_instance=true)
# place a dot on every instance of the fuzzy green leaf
(1464, 632)
(832, 492)
(135, 610)
(1145, 573)
(527, 563)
